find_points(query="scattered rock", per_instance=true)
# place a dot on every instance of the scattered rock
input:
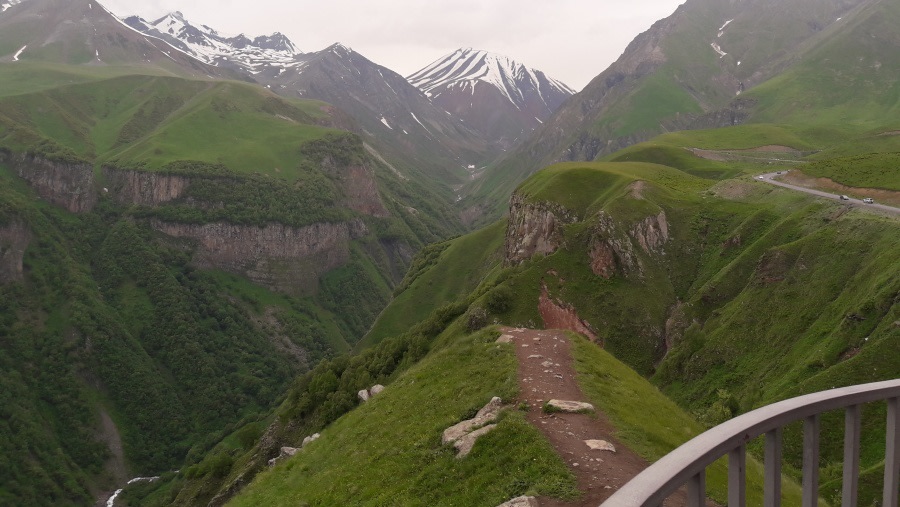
(522, 501)
(367, 394)
(506, 338)
(600, 445)
(464, 434)
(547, 364)
(535, 356)
(465, 443)
(571, 407)
(311, 438)
(286, 452)
(376, 390)
(363, 395)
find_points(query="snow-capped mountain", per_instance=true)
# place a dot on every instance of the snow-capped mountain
(208, 45)
(491, 93)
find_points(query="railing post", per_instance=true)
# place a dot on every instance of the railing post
(892, 454)
(737, 477)
(849, 492)
(772, 493)
(696, 490)
(811, 461)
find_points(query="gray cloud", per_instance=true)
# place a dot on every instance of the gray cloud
(571, 40)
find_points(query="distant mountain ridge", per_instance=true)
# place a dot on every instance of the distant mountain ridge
(491, 93)
(209, 46)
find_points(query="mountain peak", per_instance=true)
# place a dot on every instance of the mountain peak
(468, 67)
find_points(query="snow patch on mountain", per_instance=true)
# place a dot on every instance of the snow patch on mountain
(9, 3)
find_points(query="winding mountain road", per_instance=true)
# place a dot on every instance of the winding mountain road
(770, 178)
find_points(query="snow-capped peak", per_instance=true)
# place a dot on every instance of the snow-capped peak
(211, 46)
(468, 67)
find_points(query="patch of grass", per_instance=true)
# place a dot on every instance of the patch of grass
(652, 425)
(873, 170)
(395, 438)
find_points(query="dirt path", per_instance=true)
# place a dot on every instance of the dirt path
(546, 372)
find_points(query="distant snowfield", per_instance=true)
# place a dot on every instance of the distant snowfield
(9, 3)
(19, 53)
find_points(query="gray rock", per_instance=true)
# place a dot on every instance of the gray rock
(571, 407)
(376, 390)
(363, 395)
(484, 416)
(506, 338)
(465, 443)
(600, 445)
(522, 501)
(311, 438)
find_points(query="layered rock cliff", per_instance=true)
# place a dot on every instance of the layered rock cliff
(287, 259)
(69, 185)
(144, 188)
(14, 240)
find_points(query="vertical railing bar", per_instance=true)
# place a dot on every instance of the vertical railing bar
(811, 461)
(849, 491)
(696, 490)
(772, 492)
(892, 454)
(737, 477)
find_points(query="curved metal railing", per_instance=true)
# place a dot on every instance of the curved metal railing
(687, 464)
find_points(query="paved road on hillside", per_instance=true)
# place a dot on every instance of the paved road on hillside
(770, 178)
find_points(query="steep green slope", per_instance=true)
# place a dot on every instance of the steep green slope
(225, 240)
(695, 283)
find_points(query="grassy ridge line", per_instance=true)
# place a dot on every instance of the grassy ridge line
(651, 424)
(388, 452)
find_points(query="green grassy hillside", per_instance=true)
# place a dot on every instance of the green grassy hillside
(747, 270)
(146, 348)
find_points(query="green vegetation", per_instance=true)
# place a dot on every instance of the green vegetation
(652, 425)
(874, 170)
(396, 439)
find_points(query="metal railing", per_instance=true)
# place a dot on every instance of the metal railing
(687, 464)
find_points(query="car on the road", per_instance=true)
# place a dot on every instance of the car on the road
(844, 198)
(869, 200)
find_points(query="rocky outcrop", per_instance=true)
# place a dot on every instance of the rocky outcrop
(144, 188)
(286, 259)
(652, 233)
(358, 186)
(14, 240)
(286, 452)
(610, 250)
(534, 228)
(557, 315)
(68, 185)
(464, 434)
(310, 439)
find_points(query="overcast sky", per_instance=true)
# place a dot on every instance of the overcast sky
(570, 40)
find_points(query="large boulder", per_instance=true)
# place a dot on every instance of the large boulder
(522, 501)
(487, 414)
(571, 407)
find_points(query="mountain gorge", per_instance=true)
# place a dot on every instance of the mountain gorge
(255, 272)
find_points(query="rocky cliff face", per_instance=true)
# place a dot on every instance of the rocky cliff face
(144, 188)
(70, 186)
(613, 251)
(287, 259)
(14, 239)
(358, 185)
(534, 228)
